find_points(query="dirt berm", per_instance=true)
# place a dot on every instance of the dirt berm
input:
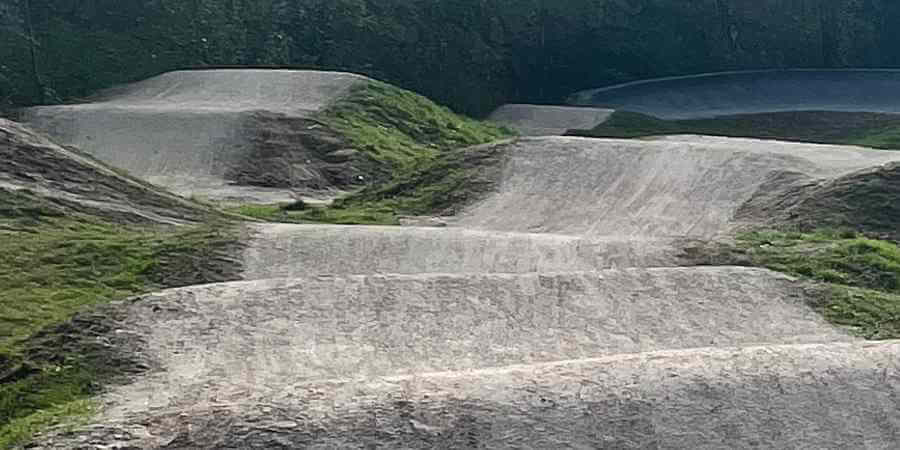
(234, 135)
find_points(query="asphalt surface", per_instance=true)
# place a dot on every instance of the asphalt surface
(728, 93)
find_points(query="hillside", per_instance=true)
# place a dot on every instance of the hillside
(68, 183)
(75, 235)
(470, 55)
(260, 136)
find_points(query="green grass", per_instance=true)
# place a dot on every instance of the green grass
(870, 314)
(441, 186)
(53, 268)
(425, 150)
(340, 216)
(859, 278)
(868, 129)
(833, 257)
(402, 128)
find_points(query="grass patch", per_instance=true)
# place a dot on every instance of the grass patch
(441, 186)
(857, 278)
(874, 130)
(870, 314)
(426, 151)
(402, 128)
(832, 257)
(55, 271)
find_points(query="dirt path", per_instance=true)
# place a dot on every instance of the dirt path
(188, 130)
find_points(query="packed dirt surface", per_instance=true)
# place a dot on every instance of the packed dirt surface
(728, 93)
(202, 133)
(75, 183)
(283, 251)
(834, 396)
(681, 186)
(546, 120)
(549, 315)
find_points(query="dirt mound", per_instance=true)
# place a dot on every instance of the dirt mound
(214, 133)
(280, 251)
(545, 120)
(727, 93)
(796, 396)
(683, 186)
(863, 201)
(69, 182)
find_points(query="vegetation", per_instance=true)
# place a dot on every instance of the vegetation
(402, 128)
(440, 186)
(319, 214)
(860, 277)
(470, 54)
(56, 272)
(867, 129)
(431, 156)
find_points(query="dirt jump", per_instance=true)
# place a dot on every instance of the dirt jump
(553, 313)
(191, 131)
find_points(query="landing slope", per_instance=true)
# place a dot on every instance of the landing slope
(727, 93)
(798, 396)
(678, 187)
(196, 132)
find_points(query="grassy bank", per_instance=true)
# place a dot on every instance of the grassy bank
(57, 272)
(439, 186)
(432, 156)
(858, 279)
(868, 129)
(402, 128)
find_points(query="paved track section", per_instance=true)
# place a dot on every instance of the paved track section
(682, 187)
(717, 94)
(834, 396)
(546, 120)
(187, 130)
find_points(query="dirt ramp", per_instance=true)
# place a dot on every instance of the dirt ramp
(717, 94)
(72, 183)
(205, 133)
(546, 120)
(283, 251)
(294, 92)
(270, 334)
(683, 187)
(832, 396)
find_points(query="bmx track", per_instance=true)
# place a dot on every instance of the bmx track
(551, 314)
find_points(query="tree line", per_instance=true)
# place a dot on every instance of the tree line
(469, 54)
